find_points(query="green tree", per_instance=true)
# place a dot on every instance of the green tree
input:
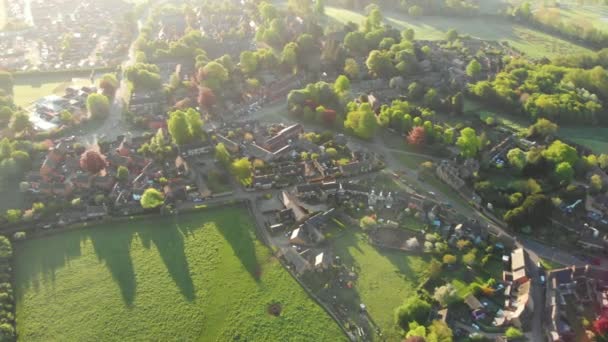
(21, 122)
(603, 160)
(6, 113)
(356, 43)
(152, 198)
(6, 248)
(215, 75)
(362, 122)
(367, 222)
(289, 56)
(98, 106)
(435, 268)
(222, 154)
(408, 34)
(559, 152)
(439, 331)
(248, 62)
(596, 183)
(351, 68)
(342, 85)
(451, 35)
(564, 172)
(415, 91)
(517, 158)
(241, 168)
(413, 310)
(542, 128)
(513, 334)
(13, 215)
(195, 124)
(474, 69)
(122, 173)
(458, 103)
(449, 259)
(468, 142)
(379, 64)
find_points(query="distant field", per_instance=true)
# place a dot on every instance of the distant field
(30, 88)
(3, 14)
(531, 42)
(201, 276)
(580, 15)
(595, 138)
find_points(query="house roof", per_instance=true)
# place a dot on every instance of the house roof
(303, 188)
(290, 202)
(517, 259)
(472, 302)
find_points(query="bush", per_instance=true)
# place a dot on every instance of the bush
(449, 259)
(513, 334)
(413, 310)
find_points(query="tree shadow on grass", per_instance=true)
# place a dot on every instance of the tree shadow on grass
(37, 260)
(241, 238)
(112, 247)
(170, 245)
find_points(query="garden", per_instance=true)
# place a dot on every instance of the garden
(196, 276)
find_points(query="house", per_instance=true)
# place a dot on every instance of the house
(523, 304)
(449, 174)
(283, 137)
(308, 190)
(193, 150)
(355, 168)
(473, 303)
(230, 145)
(518, 265)
(290, 202)
(292, 257)
(298, 237)
(264, 182)
(105, 182)
(322, 261)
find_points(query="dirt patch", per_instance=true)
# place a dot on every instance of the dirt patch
(275, 309)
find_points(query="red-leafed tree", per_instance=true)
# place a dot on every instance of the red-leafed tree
(92, 161)
(600, 326)
(329, 116)
(417, 136)
(206, 97)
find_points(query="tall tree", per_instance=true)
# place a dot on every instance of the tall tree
(92, 162)
(178, 127)
(98, 106)
(468, 142)
(152, 198)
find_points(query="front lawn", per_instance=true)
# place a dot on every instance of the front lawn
(200, 276)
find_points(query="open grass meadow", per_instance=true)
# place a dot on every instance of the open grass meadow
(386, 278)
(531, 42)
(200, 276)
(29, 88)
(595, 138)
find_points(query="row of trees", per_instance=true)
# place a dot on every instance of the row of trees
(7, 299)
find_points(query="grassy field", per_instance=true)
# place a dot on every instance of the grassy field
(581, 15)
(595, 138)
(531, 42)
(29, 88)
(202, 277)
(386, 278)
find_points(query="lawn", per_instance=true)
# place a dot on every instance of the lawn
(581, 15)
(386, 278)
(29, 88)
(201, 276)
(529, 41)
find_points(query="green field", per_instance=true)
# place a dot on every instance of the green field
(29, 88)
(531, 42)
(572, 12)
(201, 277)
(595, 138)
(386, 278)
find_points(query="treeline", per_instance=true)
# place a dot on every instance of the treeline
(7, 299)
(549, 20)
(561, 94)
(416, 8)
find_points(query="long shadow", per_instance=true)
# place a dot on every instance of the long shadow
(170, 245)
(112, 247)
(35, 261)
(241, 239)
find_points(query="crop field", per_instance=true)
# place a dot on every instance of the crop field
(529, 41)
(386, 278)
(201, 276)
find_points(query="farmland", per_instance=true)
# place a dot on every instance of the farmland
(201, 276)
(595, 138)
(531, 42)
